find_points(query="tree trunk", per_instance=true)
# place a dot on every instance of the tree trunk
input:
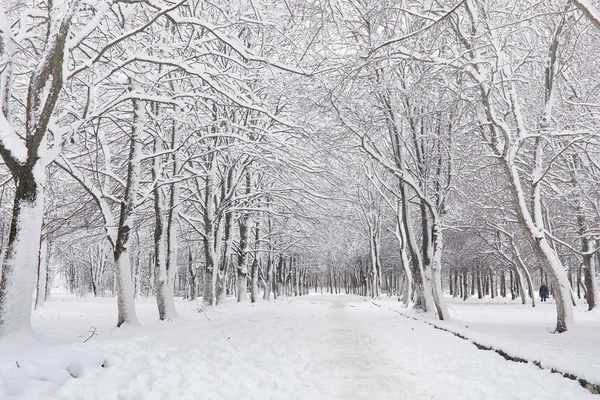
(465, 284)
(254, 281)
(124, 286)
(512, 286)
(242, 260)
(192, 274)
(173, 219)
(436, 267)
(19, 267)
(242, 265)
(589, 277)
(49, 271)
(212, 236)
(479, 288)
(40, 290)
(164, 296)
(456, 294)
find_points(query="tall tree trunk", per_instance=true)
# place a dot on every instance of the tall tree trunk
(269, 257)
(479, 289)
(242, 259)
(456, 294)
(164, 296)
(254, 269)
(279, 275)
(49, 270)
(192, 274)
(269, 278)
(172, 223)
(228, 237)
(591, 285)
(512, 286)
(212, 235)
(465, 284)
(124, 285)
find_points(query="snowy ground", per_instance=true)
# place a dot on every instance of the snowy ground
(525, 332)
(314, 347)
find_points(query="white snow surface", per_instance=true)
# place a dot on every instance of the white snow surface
(10, 140)
(524, 331)
(312, 347)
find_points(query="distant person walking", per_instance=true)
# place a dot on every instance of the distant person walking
(543, 292)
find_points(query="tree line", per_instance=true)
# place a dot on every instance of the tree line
(264, 149)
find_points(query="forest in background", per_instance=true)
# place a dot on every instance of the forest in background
(268, 148)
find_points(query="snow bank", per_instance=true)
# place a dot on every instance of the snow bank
(525, 332)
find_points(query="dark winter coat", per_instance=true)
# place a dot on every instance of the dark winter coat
(544, 291)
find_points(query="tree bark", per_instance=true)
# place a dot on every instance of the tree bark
(163, 292)
(124, 285)
(192, 274)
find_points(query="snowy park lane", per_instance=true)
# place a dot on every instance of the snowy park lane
(315, 347)
(385, 356)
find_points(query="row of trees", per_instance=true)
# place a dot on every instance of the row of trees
(396, 146)
(479, 121)
(146, 124)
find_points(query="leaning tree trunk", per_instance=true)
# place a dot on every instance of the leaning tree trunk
(423, 298)
(407, 292)
(544, 253)
(436, 267)
(520, 265)
(505, 137)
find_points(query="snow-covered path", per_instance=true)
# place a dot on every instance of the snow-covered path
(352, 361)
(314, 347)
